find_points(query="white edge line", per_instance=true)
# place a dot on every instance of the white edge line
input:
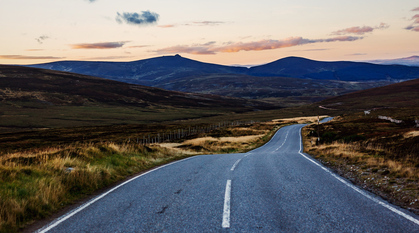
(72, 213)
(235, 165)
(363, 193)
(226, 212)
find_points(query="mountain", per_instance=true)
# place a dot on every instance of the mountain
(297, 67)
(149, 72)
(407, 61)
(38, 98)
(160, 70)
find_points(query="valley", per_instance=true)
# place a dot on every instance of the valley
(101, 131)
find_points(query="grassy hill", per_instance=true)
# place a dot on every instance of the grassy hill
(33, 98)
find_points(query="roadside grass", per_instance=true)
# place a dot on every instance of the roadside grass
(379, 156)
(37, 182)
(34, 185)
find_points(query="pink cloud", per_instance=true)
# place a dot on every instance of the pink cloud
(416, 19)
(102, 45)
(360, 30)
(416, 9)
(211, 48)
(23, 57)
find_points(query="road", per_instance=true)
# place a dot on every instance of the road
(274, 188)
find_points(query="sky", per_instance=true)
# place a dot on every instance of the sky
(228, 32)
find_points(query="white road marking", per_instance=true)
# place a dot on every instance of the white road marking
(235, 165)
(363, 193)
(226, 212)
(69, 215)
(286, 136)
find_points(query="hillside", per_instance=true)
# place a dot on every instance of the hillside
(36, 98)
(398, 95)
(286, 91)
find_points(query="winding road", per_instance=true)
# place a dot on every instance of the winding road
(275, 188)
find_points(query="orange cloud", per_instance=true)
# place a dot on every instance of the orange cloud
(103, 45)
(211, 48)
(167, 26)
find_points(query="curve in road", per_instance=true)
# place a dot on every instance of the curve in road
(275, 188)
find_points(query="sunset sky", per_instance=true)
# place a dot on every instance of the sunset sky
(228, 32)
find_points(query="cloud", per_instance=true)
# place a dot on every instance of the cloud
(102, 45)
(200, 49)
(211, 48)
(22, 57)
(144, 18)
(412, 28)
(167, 26)
(138, 46)
(109, 58)
(32, 50)
(41, 39)
(360, 30)
(208, 23)
(313, 50)
(91, 0)
(415, 25)
(195, 23)
(356, 54)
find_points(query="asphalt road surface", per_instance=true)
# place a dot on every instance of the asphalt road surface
(274, 188)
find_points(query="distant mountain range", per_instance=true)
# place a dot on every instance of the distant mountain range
(407, 61)
(291, 80)
(155, 71)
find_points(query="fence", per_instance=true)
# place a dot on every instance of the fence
(177, 134)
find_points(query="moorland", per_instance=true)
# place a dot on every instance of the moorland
(66, 135)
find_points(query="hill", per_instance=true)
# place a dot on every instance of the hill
(33, 98)
(149, 72)
(297, 67)
(398, 95)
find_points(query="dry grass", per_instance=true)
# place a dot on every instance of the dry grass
(395, 179)
(299, 120)
(411, 134)
(220, 145)
(35, 184)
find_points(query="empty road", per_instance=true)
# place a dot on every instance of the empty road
(274, 188)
